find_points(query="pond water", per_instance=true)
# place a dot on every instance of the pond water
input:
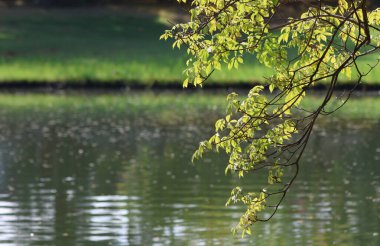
(115, 170)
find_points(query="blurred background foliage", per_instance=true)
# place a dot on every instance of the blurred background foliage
(71, 3)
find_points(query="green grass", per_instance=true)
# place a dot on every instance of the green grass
(170, 107)
(98, 45)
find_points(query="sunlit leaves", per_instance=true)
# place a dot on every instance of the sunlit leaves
(261, 130)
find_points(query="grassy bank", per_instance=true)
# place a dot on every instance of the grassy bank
(171, 106)
(98, 45)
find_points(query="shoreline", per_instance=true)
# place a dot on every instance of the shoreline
(43, 86)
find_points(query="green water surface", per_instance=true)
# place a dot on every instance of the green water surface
(114, 169)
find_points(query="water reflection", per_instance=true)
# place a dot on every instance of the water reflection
(118, 175)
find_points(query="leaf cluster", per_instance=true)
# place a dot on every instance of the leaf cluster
(269, 131)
